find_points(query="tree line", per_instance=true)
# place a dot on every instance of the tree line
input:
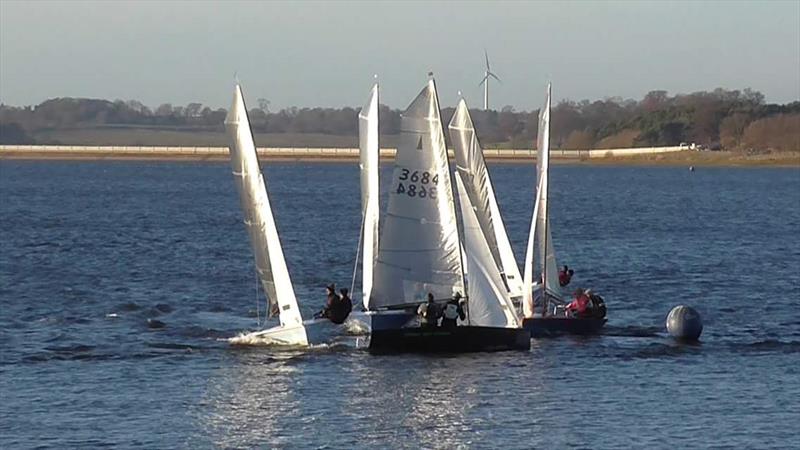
(726, 119)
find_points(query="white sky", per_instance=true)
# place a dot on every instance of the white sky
(325, 54)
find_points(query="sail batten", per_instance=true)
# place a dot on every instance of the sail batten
(420, 217)
(258, 219)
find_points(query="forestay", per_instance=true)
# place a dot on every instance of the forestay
(258, 219)
(369, 151)
(419, 248)
(489, 304)
(471, 166)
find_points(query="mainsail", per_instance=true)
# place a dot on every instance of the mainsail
(540, 223)
(419, 249)
(258, 219)
(547, 254)
(472, 168)
(369, 151)
(489, 304)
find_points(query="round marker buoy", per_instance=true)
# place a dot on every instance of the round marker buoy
(684, 323)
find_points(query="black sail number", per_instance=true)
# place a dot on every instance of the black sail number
(417, 184)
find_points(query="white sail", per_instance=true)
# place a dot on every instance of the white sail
(540, 222)
(488, 301)
(471, 166)
(527, 285)
(547, 255)
(369, 151)
(258, 219)
(419, 249)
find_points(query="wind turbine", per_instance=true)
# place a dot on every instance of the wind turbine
(485, 82)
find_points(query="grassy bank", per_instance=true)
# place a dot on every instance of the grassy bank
(704, 159)
(684, 158)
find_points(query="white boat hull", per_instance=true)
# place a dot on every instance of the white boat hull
(311, 332)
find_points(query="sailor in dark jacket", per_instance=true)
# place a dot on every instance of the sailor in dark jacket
(429, 313)
(331, 303)
(343, 307)
(453, 310)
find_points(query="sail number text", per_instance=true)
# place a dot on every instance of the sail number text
(417, 184)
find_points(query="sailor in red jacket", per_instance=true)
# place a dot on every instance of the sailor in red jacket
(581, 303)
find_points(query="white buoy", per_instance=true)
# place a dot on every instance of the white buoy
(684, 322)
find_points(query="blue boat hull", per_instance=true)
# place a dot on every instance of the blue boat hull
(464, 339)
(557, 326)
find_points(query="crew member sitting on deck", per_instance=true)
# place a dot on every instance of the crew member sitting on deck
(344, 307)
(579, 306)
(429, 313)
(333, 309)
(453, 311)
(565, 276)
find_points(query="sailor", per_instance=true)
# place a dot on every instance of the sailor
(565, 276)
(453, 310)
(345, 306)
(331, 302)
(429, 313)
(579, 306)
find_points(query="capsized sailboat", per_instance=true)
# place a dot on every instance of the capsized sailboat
(550, 318)
(420, 252)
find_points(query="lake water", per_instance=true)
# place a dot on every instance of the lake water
(118, 280)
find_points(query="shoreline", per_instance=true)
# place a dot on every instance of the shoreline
(675, 159)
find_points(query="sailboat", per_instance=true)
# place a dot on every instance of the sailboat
(260, 224)
(552, 317)
(420, 252)
(270, 263)
(474, 174)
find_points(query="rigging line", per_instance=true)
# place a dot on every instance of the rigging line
(358, 253)
(255, 291)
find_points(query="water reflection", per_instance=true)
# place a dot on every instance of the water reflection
(442, 402)
(246, 402)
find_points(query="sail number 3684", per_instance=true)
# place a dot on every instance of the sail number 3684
(416, 184)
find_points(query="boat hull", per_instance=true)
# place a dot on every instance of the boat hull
(556, 326)
(464, 339)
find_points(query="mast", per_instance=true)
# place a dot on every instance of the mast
(544, 127)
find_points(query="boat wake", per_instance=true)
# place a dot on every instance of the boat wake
(355, 327)
(259, 339)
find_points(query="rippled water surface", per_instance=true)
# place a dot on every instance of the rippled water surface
(118, 280)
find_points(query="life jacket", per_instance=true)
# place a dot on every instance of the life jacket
(580, 304)
(450, 312)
